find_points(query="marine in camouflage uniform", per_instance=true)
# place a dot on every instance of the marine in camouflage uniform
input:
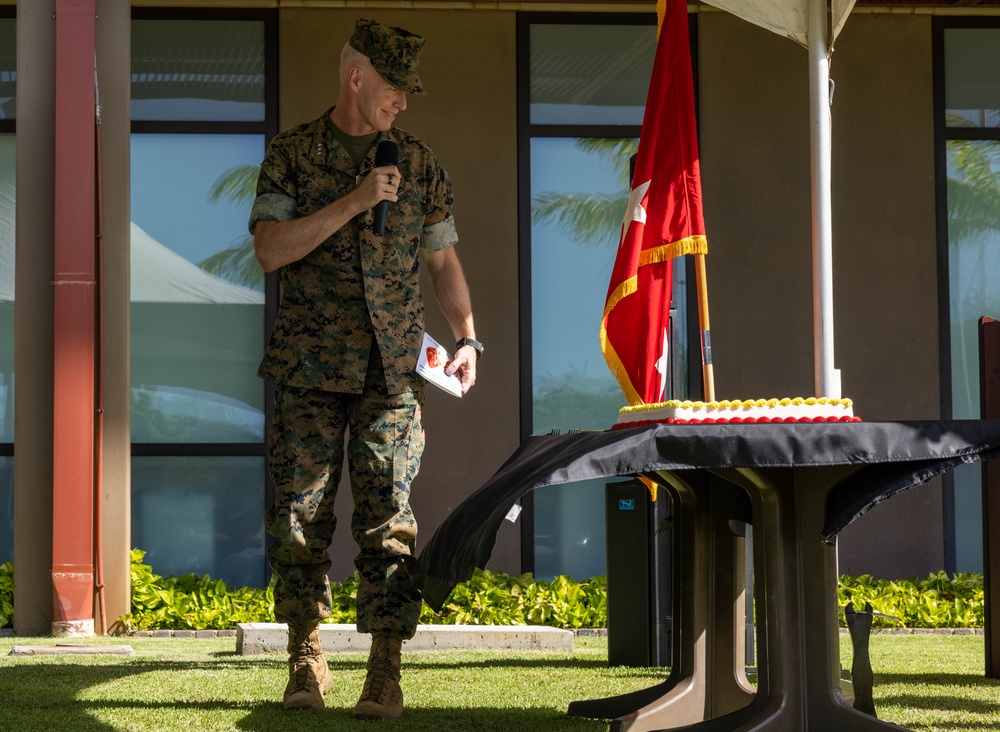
(343, 356)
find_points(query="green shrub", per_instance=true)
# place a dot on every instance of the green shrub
(6, 594)
(488, 598)
(190, 602)
(935, 602)
(494, 598)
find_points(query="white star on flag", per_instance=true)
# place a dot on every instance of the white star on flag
(635, 211)
(661, 365)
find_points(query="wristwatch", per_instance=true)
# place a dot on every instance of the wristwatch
(471, 342)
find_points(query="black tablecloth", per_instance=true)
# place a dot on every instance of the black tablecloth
(891, 457)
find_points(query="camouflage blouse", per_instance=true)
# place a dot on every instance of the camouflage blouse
(356, 284)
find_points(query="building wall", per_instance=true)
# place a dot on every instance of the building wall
(754, 136)
(468, 117)
(889, 329)
(757, 202)
(755, 164)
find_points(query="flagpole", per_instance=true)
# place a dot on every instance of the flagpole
(707, 371)
(827, 378)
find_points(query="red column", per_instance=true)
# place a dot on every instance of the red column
(74, 285)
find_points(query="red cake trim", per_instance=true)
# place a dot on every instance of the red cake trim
(735, 420)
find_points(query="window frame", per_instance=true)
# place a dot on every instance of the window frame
(268, 128)
(526, 131)
(942, 135)
(8, 127)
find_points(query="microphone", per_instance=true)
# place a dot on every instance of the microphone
(387, 153)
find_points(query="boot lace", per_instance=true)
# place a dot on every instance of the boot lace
(380, 673)
(303, 676)
(305, 652)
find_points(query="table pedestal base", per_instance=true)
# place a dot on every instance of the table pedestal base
(795, 588)
(795, 591)
(708, 650)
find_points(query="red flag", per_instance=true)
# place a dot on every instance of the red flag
(664, 220)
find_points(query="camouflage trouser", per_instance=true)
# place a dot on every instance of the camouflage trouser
(306, 449)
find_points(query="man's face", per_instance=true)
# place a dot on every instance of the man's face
(379, 101)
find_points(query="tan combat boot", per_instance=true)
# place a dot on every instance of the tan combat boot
(308, 675)
(382, 698)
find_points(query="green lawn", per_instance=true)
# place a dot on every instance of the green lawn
(922, 682)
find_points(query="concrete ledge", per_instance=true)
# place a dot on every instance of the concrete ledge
(252, 638)
(62, 649)
(229, 633)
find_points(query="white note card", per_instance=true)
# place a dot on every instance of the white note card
(431, 362)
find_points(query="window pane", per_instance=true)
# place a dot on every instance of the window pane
(974, 272)
(570, 538)
(582, 181)
(590, 74)
(573, 388)
(587, 182)
(6, 509)
(7, 288)
(971, 60)
(201, 515)
(8, 67)
(197, 291)
(206, 70)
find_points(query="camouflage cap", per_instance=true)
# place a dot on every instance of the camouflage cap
(393, 52)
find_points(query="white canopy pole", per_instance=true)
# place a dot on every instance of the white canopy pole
(826, 376)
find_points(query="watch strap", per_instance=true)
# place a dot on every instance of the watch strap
(470, 342)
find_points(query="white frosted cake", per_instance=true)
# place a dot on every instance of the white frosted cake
(810, 409)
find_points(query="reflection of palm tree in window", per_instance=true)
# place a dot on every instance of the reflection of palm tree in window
(572, 399)
(973, 224)
(974, 194)
(590, 219)
(237, 263)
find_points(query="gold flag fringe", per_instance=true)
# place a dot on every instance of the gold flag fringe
(697, 244)
(626, 288)
(615, 365)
